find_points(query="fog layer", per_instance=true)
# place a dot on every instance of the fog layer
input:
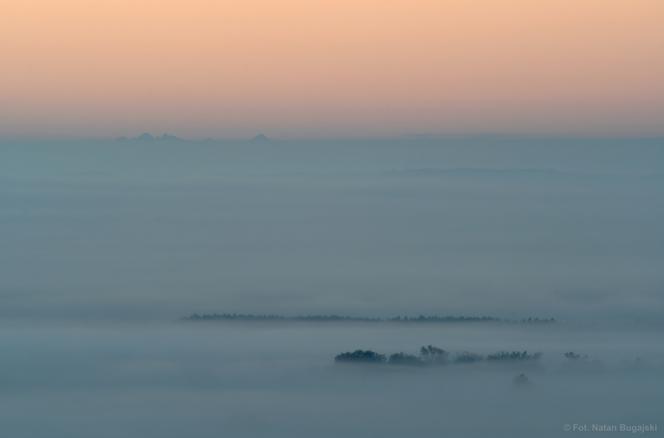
(507, 227)
(271, 380)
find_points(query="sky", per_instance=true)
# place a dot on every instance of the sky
(295, 68)
(452, 157)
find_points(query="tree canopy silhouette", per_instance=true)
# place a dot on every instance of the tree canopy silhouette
(362, 356)
(405, 359)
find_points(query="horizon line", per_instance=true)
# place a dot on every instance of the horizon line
(368, 137)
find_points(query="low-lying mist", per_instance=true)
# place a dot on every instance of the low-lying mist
(106, 245)
(281, 380)
(497, 226)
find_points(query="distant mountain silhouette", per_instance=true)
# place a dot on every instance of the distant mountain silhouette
(169, 137)
(146, 136)
(260, 138)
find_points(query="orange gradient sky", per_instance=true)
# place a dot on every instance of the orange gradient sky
(320, 68)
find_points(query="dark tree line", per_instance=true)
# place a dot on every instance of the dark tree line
(575, 356)
(513, 355)
(361, 356)
(430, 355)
(468, 357)
(404, 359)
(342, 318)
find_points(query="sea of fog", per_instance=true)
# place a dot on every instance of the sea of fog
(186, 379)
(106, 245)
(504, 227)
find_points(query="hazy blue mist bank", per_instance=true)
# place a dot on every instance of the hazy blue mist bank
(106, 244)
(506, 227)
(265, 380)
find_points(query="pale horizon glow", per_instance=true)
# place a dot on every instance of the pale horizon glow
(294, 68)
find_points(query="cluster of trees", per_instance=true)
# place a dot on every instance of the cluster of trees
(447, 318)
(361, 356)
(575, 356)
(462, 318)
(404, 359)
(434, 355)
(513, 355)
(521, 380)
(270, 317)
(430, 355)
(468, 357)
(321, 318)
